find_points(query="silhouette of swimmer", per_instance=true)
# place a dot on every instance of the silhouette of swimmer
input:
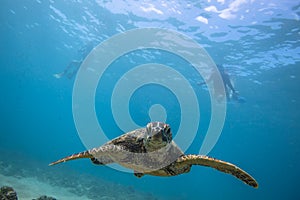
(230, 92)
(74, 65)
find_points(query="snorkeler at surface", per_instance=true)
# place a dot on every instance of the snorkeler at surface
(230, 91)
(74, 65)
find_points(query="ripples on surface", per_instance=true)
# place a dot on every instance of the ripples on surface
(248, 36)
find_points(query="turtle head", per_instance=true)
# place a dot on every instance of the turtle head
(158, 135)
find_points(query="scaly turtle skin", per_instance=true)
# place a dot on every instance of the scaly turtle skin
(151, 151)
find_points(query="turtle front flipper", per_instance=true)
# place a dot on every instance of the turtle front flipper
(98, 156)
(217, 164)
(85, 154)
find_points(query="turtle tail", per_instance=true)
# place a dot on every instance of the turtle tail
(219, 165)
(84, 154)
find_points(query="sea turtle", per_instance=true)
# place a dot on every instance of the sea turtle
(151, 151)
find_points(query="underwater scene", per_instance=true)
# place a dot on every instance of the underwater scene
(155, 100)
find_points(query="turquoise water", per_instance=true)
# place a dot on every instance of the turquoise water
(258, 42)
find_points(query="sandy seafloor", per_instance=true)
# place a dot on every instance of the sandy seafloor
(30, 187)
(32, 179)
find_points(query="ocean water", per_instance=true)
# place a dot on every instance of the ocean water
(45, 112)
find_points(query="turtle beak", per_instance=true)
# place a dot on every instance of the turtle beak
(148, 138)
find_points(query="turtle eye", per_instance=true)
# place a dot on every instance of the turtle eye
(168, 130)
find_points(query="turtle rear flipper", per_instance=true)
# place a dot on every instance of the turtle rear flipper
(219, 165)
(75, 156)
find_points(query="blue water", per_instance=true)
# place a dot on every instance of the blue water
(258, 42)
